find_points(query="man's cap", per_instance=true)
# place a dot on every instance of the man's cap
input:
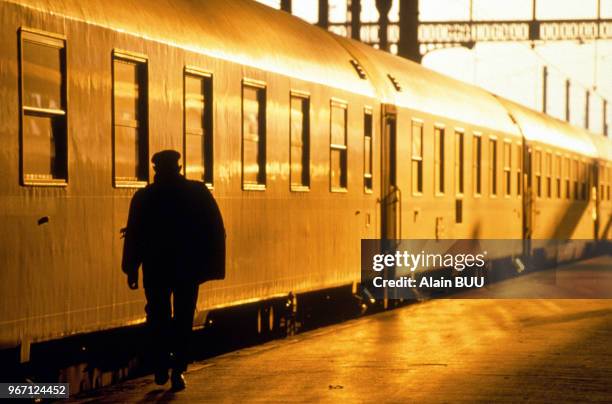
(166, 158)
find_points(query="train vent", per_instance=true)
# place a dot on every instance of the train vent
(395, 83)
(358, 69)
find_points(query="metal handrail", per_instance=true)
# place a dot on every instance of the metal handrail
(399, 206)
(396, 193)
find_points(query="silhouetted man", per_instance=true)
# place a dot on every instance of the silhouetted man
(175, 230)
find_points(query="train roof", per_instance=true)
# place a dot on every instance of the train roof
(425, 90)
(542, 128)
(432, 92)
(252, 34)
(603, 145)
(240, 31)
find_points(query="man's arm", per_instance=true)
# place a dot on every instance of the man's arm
(216, 240)
(132, 249)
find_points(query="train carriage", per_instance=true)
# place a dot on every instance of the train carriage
(601, 188)
(456, 154)
(310, 143)
(253, 101)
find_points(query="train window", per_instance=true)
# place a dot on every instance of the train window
(567, 175)
(253, 135)
(548, 170)
(459, 162)
(606, 185)
(519, 168)
(538, 172)
(609, 178)
(417, 157)
(299, 155)
(439, 160)
(198, 123)
(338, 149)
(603, 172)
(584, 177)
(558, 175)
(580, 180)
(130, 133)
(493, 166)
(459, 210)
(507, 168)
(575, 177)
(367, 150)
(43, 106)
(602, 182)
(477, 159)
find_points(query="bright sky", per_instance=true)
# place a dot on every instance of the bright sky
(513, 70)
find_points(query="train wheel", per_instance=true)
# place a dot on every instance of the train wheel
(259, 321)
(271, 319)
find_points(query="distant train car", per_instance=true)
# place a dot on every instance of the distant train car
(446, 153)
(308, 141)
(566, 167)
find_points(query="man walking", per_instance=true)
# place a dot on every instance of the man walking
(175, 230)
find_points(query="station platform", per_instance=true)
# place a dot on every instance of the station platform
(446, 350)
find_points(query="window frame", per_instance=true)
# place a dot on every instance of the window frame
(477, 157)
(609, 179)
(519, 169)
(507, 168)
(584, 180)
(304, 96)
(567, 170)
(575, 174)
(417, 161)
(459, 161)
(209, 138)
(263, 126)
(548, 173)
(439, 135)
(537, 172)
(343, 188)
(493, 163)
(138, 58)
(602, 180)
(558, 175)
(367, 110)
(60, 42)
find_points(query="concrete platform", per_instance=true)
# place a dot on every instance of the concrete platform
(450, 350)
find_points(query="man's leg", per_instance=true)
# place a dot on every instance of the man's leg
(159, 323)
(185, 298)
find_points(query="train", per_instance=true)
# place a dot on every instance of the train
(309, 142)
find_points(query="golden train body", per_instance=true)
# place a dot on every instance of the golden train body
(309, 142)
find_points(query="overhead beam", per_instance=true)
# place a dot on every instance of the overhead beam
(587, 109)
(544, 88)
(383, 7)
(285, 5)
(323, 21)
(408, 45)
(605, 117)
(355, 8)
(458, 32)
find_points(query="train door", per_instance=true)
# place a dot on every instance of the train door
(391, 196)
(528, 199)
(596, 196)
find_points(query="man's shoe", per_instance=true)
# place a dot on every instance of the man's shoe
(161, 377)
(178, 381)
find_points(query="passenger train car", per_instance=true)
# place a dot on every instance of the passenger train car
(309, 142)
